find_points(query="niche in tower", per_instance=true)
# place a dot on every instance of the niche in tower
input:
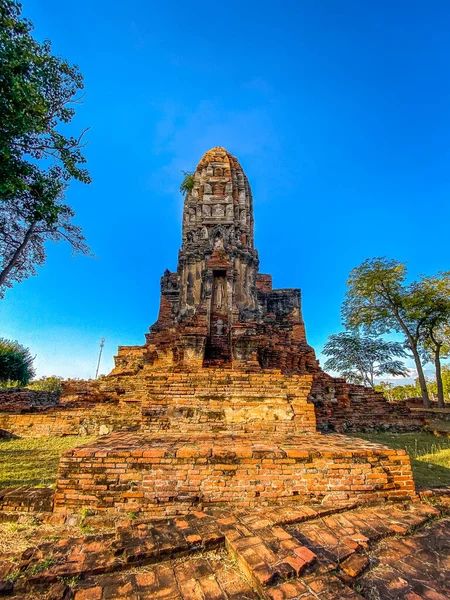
(218, 340)
(219, 304)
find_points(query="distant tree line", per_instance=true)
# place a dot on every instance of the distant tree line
(412, 390)
(379, 300)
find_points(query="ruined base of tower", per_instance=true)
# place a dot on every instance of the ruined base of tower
(214, 436)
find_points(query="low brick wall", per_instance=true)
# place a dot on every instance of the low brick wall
(172, 474)
(433, 414)
(418, 403)
(18, 400)
(26, 499)
(88, 420)
(345, 407)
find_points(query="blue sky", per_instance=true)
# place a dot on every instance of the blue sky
(339, 112)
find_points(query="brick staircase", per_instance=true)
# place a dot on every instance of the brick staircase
(212, 437)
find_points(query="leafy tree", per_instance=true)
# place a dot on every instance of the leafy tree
(24, 229)
(378, 300)
(430, 297)
(362, 358)
(16, 362)
(37, 161)
(445, 372)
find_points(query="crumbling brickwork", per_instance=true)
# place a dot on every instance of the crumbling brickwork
(24, 400)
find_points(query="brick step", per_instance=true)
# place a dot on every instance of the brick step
(163, 473)
(274, 555)
(223, 364)
(267, 560)
(212, 384)
(26, 499)
(225, 393)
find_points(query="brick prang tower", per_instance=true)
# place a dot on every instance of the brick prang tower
(216, 308)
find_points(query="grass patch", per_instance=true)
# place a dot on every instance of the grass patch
(34, 462)
(42, 566)
(430, 455)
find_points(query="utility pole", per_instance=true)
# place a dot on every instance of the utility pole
(102, 343)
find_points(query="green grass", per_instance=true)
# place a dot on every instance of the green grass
(34, 462)
(430, 455)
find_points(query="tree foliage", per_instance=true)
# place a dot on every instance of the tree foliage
(361, 358)
(16, 362)
(430, 296)
(412, 390)
(378, 301)
(37, 161)
(445, 376)
(398, 392)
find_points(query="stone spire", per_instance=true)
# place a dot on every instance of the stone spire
(219, 209)
(218, 264)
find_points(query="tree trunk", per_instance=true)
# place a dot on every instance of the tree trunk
(15, 257)
(413, 346)
(420, 373)
(440, 387)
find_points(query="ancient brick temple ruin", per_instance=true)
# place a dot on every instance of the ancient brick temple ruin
(225, 403)
(221, 468)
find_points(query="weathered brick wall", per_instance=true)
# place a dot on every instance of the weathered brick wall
(432, 414)
(163, 475)
(418, 403)
(345, 407)
(264, 282)
(217, 400)
(89, 420)
(26, 499)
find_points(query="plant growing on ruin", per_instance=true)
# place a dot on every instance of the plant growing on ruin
(16, 362)
(361, 358)
(187, 185)
(37, 161)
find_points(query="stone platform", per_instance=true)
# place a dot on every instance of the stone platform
(173, 473)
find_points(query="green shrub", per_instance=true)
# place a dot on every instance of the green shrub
(47, 384)
(16, 363)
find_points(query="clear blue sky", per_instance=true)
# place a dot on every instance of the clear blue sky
(339, 112)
